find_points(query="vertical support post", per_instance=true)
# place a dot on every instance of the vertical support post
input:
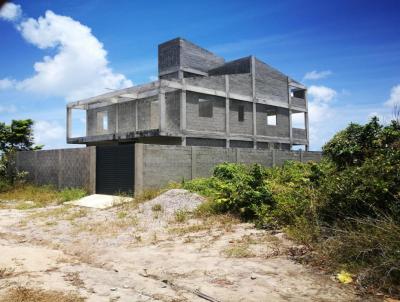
(307, 122)
(69, 122)
(116, 118)
(139, 165)
(290, 116)
(193, 162)
(136, 116)
(92, 170)
(227, 112)
(253, 90)
(183, 112)
(273, 157)
(59, 169)
(161, 99)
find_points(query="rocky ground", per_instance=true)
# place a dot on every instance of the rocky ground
(154, 251)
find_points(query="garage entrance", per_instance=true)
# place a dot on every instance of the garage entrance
(115, 169)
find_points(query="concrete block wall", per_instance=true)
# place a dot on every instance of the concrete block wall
(156, 166)
(212, 82)
(195, 122)
(62, 168)
(270, 83)
(245, 126)
(282, 121)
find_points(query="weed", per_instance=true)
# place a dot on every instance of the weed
(24, 294)
(181, 216)
(241, 250)
(157, 207)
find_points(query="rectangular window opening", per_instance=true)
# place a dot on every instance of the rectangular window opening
(102, 120)
(205, 108)
(271, 118)
(241, 113)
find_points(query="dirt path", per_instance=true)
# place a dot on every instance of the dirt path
(155, 252)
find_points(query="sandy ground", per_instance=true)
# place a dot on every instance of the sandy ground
(154, 252)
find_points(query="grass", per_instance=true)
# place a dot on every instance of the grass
(25, 294)
(238, 250)
(221, 221)
(28, 196)
(156, 208)
(181, 216)
(107, 227)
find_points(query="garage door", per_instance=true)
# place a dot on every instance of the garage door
(115, 169)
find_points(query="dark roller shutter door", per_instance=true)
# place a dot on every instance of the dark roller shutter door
(115, 169)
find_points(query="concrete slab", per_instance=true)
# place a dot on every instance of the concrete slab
(100, 201)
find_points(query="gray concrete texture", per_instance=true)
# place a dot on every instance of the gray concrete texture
(158, 165)
(62, 168)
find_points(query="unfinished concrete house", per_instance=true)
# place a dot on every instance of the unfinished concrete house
(146, 135)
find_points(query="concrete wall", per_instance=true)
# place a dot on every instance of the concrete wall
(235, 126)
(213, 82)
(157, 165)
(242, 65)
(62, 168)
(195, 122)
(180, 53)
(270, 83)
(282, 121)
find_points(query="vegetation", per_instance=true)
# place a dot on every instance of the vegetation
(29, 196)
(345, 208)
(18, 136)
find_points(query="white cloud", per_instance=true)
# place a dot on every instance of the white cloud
(48, 133)
(321, 94)
(7, 83)
(8, 109)
(153, 78)
(10, 12)
(317, 75)
(394, 98)
(79, 69)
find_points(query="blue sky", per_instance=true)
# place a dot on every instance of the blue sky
(346, 52)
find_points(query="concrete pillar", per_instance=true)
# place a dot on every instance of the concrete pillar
(253, 92)
(183, 108)
(92, 170)
(227, 109)
(136, 116)
(139, 165)
(193, 162)
(69, 122)
(161, 99)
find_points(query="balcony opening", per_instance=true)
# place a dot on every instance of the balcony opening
(241, 113)
(298, 93)
(205, 108)
(271, 118)
(298, 120)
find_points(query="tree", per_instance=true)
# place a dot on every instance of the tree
(17, 137)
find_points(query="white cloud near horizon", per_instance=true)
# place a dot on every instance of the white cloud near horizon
(79, 68)
(48, 133)
(7, 83)
(316, 75)
(10, 12)
(394, 99)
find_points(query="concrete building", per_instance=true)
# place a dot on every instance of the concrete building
(202, 111)
(200, 100)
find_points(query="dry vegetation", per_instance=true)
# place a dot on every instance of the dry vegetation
(24, 294)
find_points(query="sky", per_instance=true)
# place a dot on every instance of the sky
(52, 52)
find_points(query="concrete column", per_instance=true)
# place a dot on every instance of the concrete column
(183, 108)
(290, 116)
(307, 122)
(69, 122)
(92, 170)
(253, 92)
(193, 162)
(227, 109)
(161, 99)
(136, 116)
(116, 117)
(139, 165)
